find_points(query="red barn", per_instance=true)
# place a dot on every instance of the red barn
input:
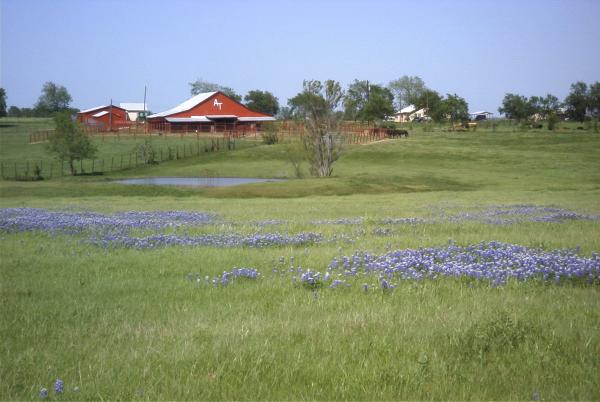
(107, 117)
(208, 112)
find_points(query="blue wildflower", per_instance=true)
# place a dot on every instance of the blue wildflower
(59, 386)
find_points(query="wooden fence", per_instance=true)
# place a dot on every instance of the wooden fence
(32, 170)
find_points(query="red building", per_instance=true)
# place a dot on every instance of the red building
(103, 118)
(208, 112)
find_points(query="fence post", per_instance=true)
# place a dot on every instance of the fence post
(112, 163)
(15, 170)
(51, 169)
(92, 166)
(121, 162)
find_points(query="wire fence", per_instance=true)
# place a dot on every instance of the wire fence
(32, 170)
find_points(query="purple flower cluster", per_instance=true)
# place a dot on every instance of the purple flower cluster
(226, 277)
(402, 221)
(508, 214)
(59, 388)
(340, 221)
(257, 240)
(29, 219)
(494, 261)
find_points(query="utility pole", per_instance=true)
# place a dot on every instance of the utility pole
(110, 117)
(144, 111)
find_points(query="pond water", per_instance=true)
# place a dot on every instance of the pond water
(195, 181)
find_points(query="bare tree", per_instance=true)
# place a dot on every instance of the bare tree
(317, 103)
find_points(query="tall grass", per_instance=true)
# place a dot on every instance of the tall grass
(132, 324)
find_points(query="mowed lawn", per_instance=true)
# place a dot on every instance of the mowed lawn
(121, 322)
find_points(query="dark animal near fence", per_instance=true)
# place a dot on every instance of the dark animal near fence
(396, 133)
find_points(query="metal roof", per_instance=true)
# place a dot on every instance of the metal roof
(187, 105)
(100, 114)
(481, 112)
(133, 106)
(408, 109)
(194, 119)
(256, 118)
(221, 116)
(94, 108)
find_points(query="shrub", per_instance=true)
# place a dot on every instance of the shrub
(552, 120)
(269, 135)
(146, 153)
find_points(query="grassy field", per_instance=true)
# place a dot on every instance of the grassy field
(115, 321)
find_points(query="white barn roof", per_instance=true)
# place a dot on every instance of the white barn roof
(133, 106)
(187, 105)
(409, 109)
(93, 108)
(100, 114)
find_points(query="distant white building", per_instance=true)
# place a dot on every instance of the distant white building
(409, 114)
(134, 109)
(481, 115)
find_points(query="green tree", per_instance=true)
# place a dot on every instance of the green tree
(14, 111)
(317, 103)
(367, 102)
(200, 86)
(262, 101)
(69, 142)
(549, 105)
(407, 90)
(577, 101)
(516, 107)
(54, 98)
(433, 103)
(2, 102)
(355, 99)
(594, 99)
(379, 105)
(456, 108)
(285, 113)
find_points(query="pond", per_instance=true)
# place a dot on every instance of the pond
(195, 181)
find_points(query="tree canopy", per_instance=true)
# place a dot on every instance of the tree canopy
(516, 107)
(431, 101)
(54, 98)
(594, 99)
(200, 86)
(262, 101)
(407, 90)
(69, 142)
(367, 102)
(455, 108)
(317, 105)
(2, 102)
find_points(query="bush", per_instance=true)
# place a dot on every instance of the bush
(146, 153)
(269, 135)
(552, 120)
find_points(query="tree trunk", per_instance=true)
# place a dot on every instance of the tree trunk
(72, 167)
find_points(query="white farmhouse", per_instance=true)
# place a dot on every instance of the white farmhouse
(134, 109)
(409, 114)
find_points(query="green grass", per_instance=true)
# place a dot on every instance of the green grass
(127, 324)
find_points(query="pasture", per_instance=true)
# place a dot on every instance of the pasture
(440, 266)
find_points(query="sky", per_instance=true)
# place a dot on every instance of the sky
(481, 50)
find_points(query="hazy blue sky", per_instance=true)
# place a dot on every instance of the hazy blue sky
(478, 49)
